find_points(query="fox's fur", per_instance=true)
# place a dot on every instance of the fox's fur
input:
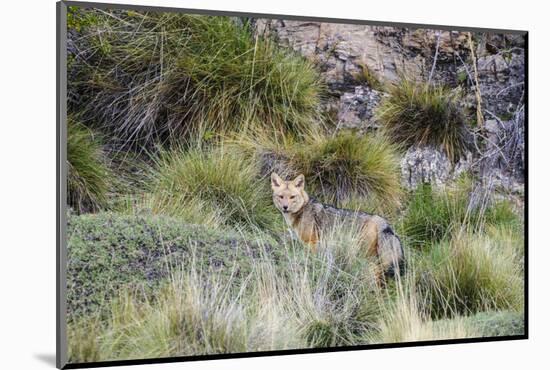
(310, 219)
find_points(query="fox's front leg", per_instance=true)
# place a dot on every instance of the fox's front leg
(312, 241)
(313, 245)
(310, 236)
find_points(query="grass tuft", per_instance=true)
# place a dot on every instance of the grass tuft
(212, 185)
(89, 178)
(417, 113)
(472, 273)
(432, 215)
(404, 320)
(337, 168)
(366, 75)
(155, 77)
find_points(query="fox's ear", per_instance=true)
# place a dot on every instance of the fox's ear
(276, 180)
(299, 181)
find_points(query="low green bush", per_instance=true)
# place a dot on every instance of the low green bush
(498, 324)
(107, 251)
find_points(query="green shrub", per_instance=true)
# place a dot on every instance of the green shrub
(148, 77)
(88, 176)
(215, 184)
(431, 214)
(422, 114)
(497, 324)
(78, 18)
(472, 273)
(108, 251)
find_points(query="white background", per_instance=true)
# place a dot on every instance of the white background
(27, 194)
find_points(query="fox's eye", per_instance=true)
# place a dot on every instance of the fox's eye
(280, 196)
(292, 196)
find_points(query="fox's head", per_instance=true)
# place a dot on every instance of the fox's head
(289, 196)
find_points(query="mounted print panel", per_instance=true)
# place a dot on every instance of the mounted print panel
(241, 185)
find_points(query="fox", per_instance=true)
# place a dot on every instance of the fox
(309, 219)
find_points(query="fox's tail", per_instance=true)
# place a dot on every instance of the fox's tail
(390, 253)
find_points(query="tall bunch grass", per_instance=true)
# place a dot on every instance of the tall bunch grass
(342, 303)
(337, 166)
(432, 215)
(416, 113)
(212, 186)
(152, 77)
(172, 323)
(89, 178)
(405, 320)
(340, 169)
(473, 273)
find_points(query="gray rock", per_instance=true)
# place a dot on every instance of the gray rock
(425, 165)
(502, 163)
(356, 109)
(502, 82)
(343, 50)
(428, 165)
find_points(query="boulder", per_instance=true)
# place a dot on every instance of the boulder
(356, 109)
(422, 165)
(502, 164)
(428, 165)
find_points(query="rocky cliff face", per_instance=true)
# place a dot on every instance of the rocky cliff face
(355, 60)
